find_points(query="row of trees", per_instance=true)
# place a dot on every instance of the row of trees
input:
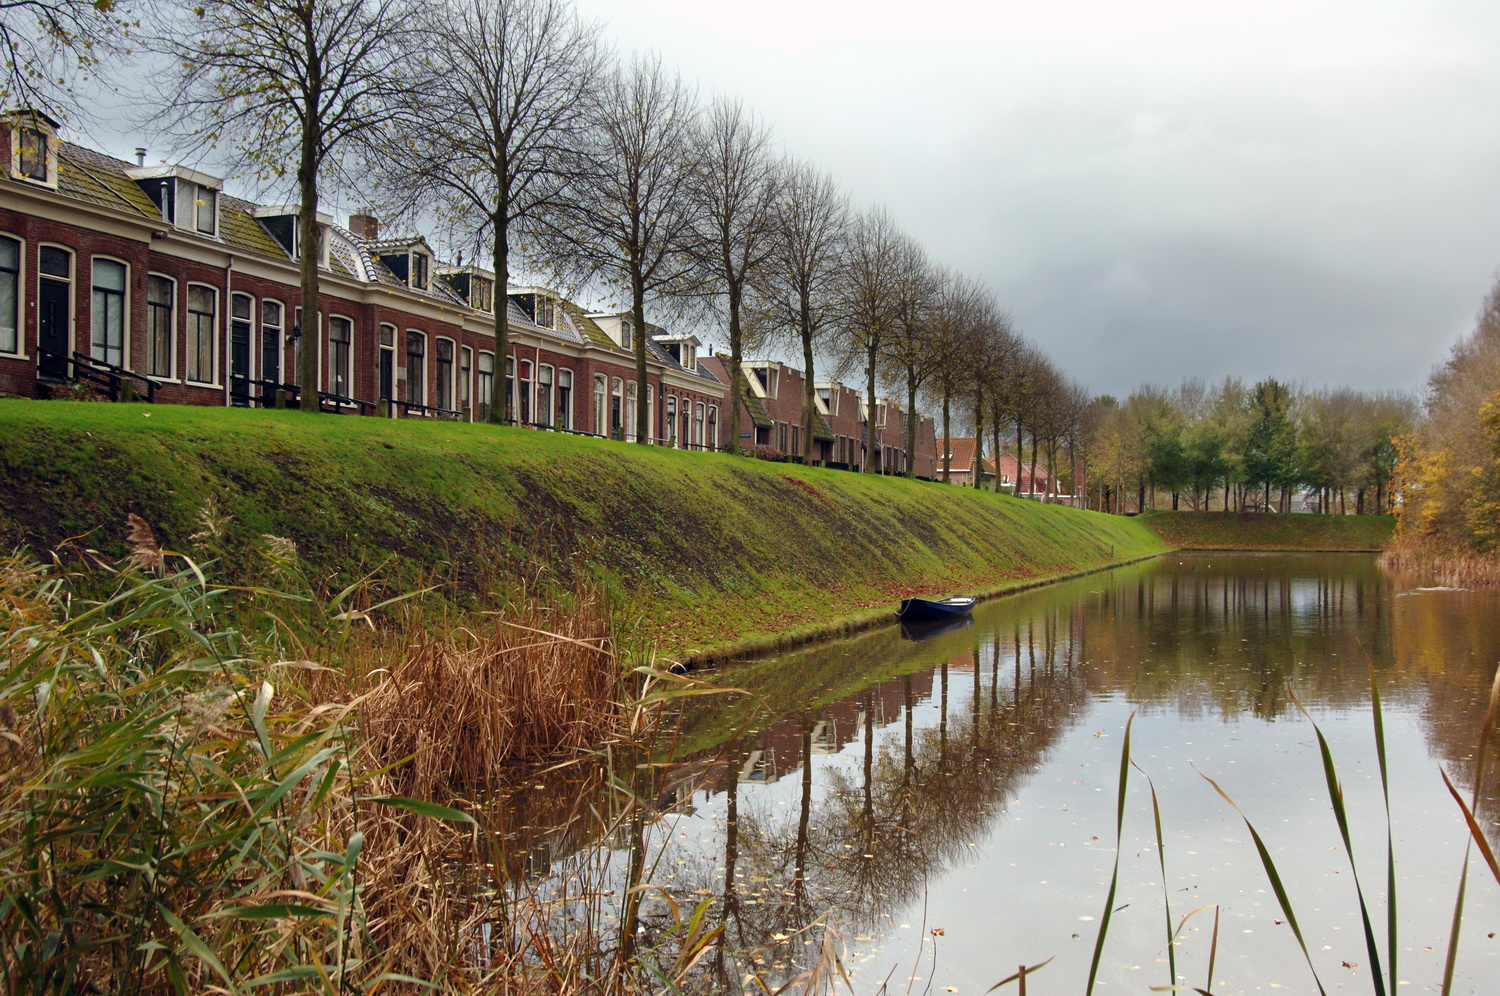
(509, 124)
(1233, 446)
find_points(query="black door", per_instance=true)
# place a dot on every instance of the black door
(52, 328)
(387, 374)
(239, 363)
(270, 357)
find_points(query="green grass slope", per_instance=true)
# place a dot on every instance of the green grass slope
(707, 550)
(1262, 531)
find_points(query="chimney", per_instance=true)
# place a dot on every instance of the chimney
(140, 155)
(365, 226)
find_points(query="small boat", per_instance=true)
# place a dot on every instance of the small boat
(942, 608)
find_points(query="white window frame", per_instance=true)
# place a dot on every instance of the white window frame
(331, 374)
(20, 317)
(214, 329)
(172, 325)
(437, 377)
(406, 355)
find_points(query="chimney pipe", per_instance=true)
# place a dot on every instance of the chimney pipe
(140, 155)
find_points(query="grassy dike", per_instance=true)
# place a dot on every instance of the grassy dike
(1262, 531)
(705, 552)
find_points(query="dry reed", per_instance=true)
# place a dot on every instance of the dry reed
(1449, 564)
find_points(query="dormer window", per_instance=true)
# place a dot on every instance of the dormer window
(689, 359)
(625, 335)
(765, 376)
(419, 267)
(482, 294)
(281, 222)
(544, 313)
(33, 147)
(198, 207)
(409, 265)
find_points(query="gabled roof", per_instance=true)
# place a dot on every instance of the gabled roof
(100, 179)
(240, 230)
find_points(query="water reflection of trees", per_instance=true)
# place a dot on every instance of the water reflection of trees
(891, 784)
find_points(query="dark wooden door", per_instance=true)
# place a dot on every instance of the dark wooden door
(239, 363)
(52, 328)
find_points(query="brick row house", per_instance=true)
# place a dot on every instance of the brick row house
(153, 280)
(772, 418)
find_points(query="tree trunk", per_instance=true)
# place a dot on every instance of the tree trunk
(309, 343)
(911, 422)
(1033, 465)
(870, 406)
(736, 378)
(643, 431)
(947, 443)
(978, 440)
(500, 259)
(995, 417)
(808, 394)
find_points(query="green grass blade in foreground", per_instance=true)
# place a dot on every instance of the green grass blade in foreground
(1114, 878)
(1161, 859)
(1378, 714)
(1213, 948)
(1463, 878)
(1341, 815)
(1276, 884)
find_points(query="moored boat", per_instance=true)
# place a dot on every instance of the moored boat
(941, 608)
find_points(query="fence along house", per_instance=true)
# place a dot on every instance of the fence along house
(131, 280)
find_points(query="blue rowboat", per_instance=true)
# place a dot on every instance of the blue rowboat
(914, 609)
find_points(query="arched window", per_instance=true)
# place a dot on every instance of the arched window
(544, 398)
(108, 312)
(202, 319)
(340, 356)
(442, 390)
(466, 381)
(698, 424)
(525, 394)
(486, 385)
(631, 429)
(617, 408)
(10, 295)
(161, 324)
(601, 400)
(713, 427)
(672, 421)
(416, 367)
(564, 399)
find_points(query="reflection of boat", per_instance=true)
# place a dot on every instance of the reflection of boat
(942, 608)
(917, 630)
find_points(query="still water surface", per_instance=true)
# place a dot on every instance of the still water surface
(947, 804)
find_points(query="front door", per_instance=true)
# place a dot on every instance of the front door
(387, 374)
(239, 362)
(52, 328)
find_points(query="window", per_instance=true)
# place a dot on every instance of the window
(481, 293)
(601, 393)
(630, 427)
(698, 424)
(32, 156)
(416, 367)
(271, 340)
(544, 395)
(544, 316)
(198, 207)
(10, 295)
(486, 386)
(564, 399)
(796, 439)
(419, 265)
(713, 427)
(442, 395)
(202, 314)
(672, 421)
(465, 380)
(617, 408)
(340, 356)
(525, 410)
(510, 388)
(109, 312)
(781, 437)
(625, 334)
(161, 295)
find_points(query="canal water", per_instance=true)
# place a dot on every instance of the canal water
(940, 808)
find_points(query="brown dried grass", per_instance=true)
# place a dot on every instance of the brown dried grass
(1443, 562)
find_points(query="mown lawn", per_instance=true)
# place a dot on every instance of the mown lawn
(699, 550)
(1265, 531)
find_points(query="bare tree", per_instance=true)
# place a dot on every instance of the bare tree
(906, 352)
(957, 333)
(291, 83)
(867, 309)
(799, 290)
(493, 126)
(631, 223)
(736, 193)
(49, 46)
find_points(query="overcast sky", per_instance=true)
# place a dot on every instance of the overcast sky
(1156, 190)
